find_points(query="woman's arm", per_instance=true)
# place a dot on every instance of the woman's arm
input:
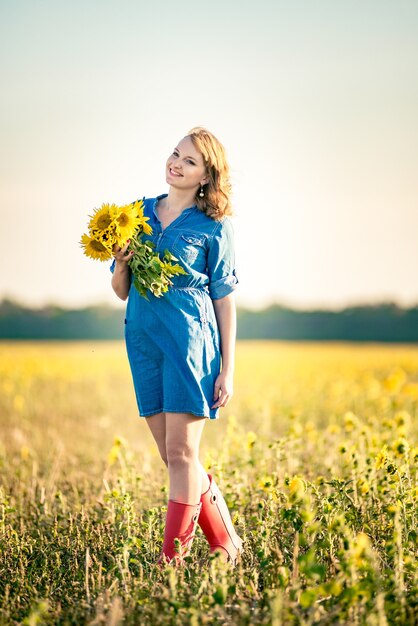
(226, 317)
(121, 279)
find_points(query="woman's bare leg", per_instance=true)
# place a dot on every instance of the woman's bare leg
(156, 425)
(188, 478)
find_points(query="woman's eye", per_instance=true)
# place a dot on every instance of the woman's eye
(176, 154)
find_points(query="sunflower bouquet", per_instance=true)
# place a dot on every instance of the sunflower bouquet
(112, 224)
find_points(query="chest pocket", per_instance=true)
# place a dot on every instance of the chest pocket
(190, 246)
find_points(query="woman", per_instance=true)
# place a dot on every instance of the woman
(175, 343)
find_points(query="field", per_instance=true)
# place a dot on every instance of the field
(317, 457)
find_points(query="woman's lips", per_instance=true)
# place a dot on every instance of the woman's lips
(174, 173)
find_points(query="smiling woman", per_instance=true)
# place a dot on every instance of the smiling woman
(181, 347)
(187, 161)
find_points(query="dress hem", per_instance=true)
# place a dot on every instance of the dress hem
(148, 414)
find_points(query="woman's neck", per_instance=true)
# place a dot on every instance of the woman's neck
(178, 200)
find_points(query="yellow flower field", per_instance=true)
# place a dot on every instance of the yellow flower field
(317, 456)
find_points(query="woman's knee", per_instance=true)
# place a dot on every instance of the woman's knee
(181, 454)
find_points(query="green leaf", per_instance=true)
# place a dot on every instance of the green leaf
(150, 272)
(307, 598)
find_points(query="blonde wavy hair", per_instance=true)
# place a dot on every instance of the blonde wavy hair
(216, 202)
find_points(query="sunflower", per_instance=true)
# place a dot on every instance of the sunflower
(95, 249)
(126, 222)
(102, 219)
(112, 224)
(106, 237)
(138, 205)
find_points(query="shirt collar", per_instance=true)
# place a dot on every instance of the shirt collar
(164, 195)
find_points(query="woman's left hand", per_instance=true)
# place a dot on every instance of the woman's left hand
(223, 390)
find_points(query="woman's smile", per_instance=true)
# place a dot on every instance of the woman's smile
(174, 173)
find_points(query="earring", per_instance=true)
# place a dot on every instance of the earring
(201, 192)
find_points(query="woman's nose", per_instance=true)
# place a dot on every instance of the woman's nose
(175, 162)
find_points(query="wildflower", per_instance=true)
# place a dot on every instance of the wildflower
(119, 441)
(296, 429)
(411, 389)
(209, 460)
(266, 483)
(402, 418)
(361, 547)
(381, 458)
(351, 421)
(401, 430)
(334, 429)
(24, 452)
(362, 542)
(363, 486)
(114, 452)
(251, 439)
(388, 424)
(297, 487)
(391, 468)
(395, 380)
(400, 446)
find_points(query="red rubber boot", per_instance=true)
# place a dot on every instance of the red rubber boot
(181, 522)
(216, 523)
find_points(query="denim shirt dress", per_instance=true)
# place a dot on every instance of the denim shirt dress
(173, 342)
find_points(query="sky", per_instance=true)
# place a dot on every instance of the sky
(315, 102)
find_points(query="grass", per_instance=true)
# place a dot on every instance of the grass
(317, 457)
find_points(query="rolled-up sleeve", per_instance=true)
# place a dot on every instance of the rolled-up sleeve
(221, 261)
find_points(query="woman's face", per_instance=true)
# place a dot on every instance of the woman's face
(185, 168)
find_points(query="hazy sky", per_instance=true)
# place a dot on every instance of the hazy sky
(315, 101)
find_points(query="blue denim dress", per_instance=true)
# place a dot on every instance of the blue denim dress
(173, 342)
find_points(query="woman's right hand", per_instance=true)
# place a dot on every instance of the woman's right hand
(120, 253)
(121, 276)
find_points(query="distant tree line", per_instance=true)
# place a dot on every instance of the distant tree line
(382, 322)
(385, 322)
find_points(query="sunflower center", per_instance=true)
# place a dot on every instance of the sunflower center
(123, 219)
(103, 221)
